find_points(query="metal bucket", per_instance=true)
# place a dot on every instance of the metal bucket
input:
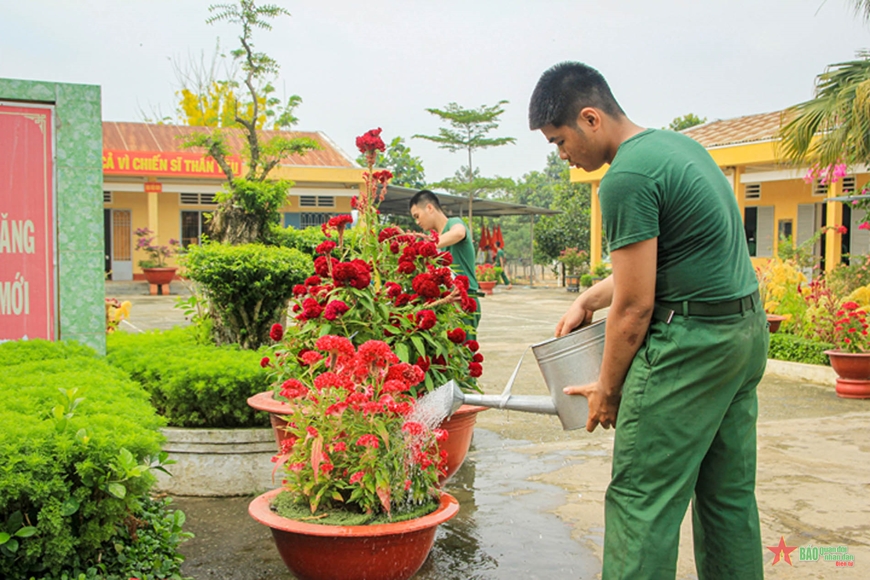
(573, 359)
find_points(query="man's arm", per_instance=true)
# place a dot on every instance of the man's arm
(452, 236)
(633, 299)
(581, 310)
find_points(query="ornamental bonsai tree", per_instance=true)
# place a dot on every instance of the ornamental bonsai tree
(573, 260)
(157, 254)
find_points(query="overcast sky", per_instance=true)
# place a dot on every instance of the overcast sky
(363, 64)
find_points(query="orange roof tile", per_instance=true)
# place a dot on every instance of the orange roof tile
(748, 129)
(148, 137)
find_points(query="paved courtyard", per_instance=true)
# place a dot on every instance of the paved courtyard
(538, 491)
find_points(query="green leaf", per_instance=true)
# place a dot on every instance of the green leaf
(4, 537)
(11, 545)
(26, 532)
(69, 507)
(418, 343)
(118, 490)
(401, 350)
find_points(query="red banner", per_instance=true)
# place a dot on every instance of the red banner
(165, 164)
(27, 232)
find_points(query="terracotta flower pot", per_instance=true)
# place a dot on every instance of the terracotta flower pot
(392, 551)
(853, 373)
(159, 276)
(774, 321)
(459, 427)
(486, 286)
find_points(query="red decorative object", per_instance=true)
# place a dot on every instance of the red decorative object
(460, 428)
(392, 551)
(853, 373)
(159, 279)
(486, 286)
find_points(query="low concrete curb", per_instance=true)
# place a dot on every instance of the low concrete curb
(218, 462)
(801, 372)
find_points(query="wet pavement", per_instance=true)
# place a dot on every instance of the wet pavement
(531, 495)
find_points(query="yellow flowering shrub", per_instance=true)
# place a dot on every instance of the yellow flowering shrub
(780, 284)
(861, 296)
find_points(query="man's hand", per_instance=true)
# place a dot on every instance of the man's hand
(576, 316)
(603, 408)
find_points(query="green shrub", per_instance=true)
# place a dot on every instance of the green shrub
(192, 385)
(788, 347)
(78, 440)
(305, 240)
(247, 287)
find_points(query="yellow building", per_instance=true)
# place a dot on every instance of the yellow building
(773, 197)
(150, 181)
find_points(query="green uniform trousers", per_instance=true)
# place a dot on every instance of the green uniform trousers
(686, 431)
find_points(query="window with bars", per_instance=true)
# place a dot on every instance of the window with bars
(819, 189)
(107, 197)
(198, 199)
(307, 219)
(193, 225)
(753, 191)
(316, 201)
(848, 185)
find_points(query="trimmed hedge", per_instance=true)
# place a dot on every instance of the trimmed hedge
(191, 384)
(78, 437)
(788, 347)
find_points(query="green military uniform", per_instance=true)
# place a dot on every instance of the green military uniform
(463, 257)
(686, 424)
(499, 255)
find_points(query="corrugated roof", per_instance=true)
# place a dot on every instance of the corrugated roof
(149, 137)
(748, 129)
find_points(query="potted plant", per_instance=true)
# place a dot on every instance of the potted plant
(573, 260)
(374, 282)
(155, 269)
(359, 467)
(487, 277)
(851, 359)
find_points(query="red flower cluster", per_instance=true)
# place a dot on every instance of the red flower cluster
(277, 332)
(851, 329)
(370, 141)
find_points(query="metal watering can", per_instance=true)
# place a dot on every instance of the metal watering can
(574, 359)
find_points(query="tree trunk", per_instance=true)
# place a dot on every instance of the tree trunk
(232, 225)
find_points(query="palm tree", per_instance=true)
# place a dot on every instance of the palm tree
(833, 127)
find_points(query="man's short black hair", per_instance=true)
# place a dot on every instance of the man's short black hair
(423, 197)
(566, 89)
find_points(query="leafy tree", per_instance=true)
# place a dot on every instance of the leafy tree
(249, 205)
(570, 228)
(686, 121)
(467, 131)
(407, 169)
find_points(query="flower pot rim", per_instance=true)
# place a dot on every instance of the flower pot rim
(776, 317)
(266, 401)
(839, 352)
(259, 510)
(468, 409)
(160, 268)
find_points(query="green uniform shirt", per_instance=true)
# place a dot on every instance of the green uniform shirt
(664, 184)
(462, 252)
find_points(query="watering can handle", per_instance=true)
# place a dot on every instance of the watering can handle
(506, 394)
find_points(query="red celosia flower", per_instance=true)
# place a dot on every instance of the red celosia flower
(850, 305)
(293, 389)
(406, 267)
(440, 435)
(427, 249)
(392, 289)
(323, 265)
(264, 362)
(382, 176)
(340, 221)
(335, 309)
(409, 374)
(446, 258)
(478, 358)
(326, 467)
(357, 477)
(401, 300)
(423, 363)
(313, 281)
(325, 247)
(473, 345)
(394, 247)
(309, 357)
(311, 309)
(475, 369)
(300, 290)
(370, 141)
(312, 431)
(376, 352)
(335, 344)
(439, 360)
(277, 332)
(461, 281)
(426, 286)
(426, 319)
(413, 428)
(469, 304)
(387, 233)
(394, 386)
(456, 336)
(368, 441)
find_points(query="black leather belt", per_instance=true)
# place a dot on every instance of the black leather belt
(664, 311)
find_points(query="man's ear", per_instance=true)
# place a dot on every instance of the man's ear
(589, 117)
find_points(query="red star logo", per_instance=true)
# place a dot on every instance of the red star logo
(782, 551)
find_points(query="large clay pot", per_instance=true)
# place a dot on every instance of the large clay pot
(159, 276)
(853, 373)
(486, 286)
(392, 551)
(460, 428)
(774, 321)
